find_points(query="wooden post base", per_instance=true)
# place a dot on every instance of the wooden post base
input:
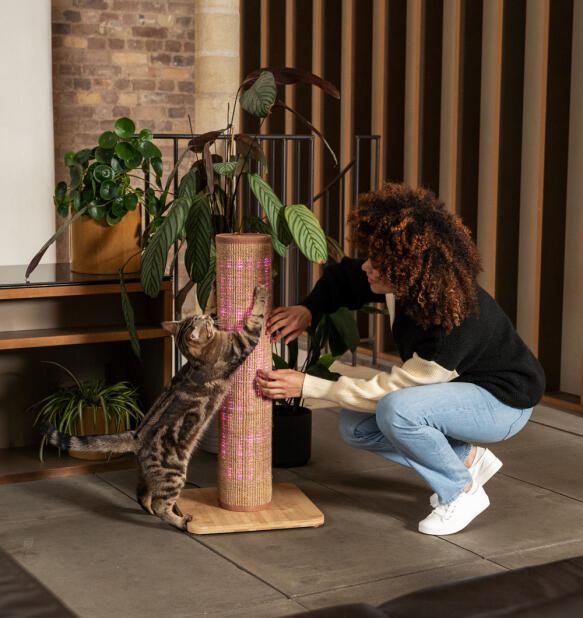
(289, 508)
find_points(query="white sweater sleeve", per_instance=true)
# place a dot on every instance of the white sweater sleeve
(362, 395)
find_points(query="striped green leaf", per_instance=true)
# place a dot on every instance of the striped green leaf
(156, 253)
(226, 168)
(307, 233)
(199, 232)
(271, 205)
(128, 316)
(189, 184)
(258, 99)
(203, 289)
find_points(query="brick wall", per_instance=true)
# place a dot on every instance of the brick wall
(114, 58)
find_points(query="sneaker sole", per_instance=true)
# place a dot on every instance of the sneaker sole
(445, 530)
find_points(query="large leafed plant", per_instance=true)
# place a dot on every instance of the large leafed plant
(207, 201)
(126, 169)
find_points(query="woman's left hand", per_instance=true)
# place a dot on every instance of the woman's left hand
(280, 383)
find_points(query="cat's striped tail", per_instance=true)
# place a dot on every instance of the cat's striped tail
(110, 442)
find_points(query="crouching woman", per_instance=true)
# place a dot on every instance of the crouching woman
(466, 378)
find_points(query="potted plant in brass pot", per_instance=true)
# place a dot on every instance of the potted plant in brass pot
(102, 200)
(207, 200)
(88, 407)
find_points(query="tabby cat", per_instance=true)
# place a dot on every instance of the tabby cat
(168, 434)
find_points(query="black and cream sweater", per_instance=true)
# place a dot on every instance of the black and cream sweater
(484, 349)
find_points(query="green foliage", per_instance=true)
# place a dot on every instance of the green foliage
(102, 185)
(155, 255)
(64, 407)
(306, 231)
(105, 172)
(258, 99)
(337, 331)
(199, 232)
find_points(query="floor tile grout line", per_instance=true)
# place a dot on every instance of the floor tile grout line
(532, 550)
(382, 579)
(572, 433)
(553, 491)
(195, 538)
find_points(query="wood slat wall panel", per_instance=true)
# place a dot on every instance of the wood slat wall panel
(411, 164)
(572, 324)
(347, 105)
(532, 172)
(450, 83)
(490, 140)
(380, 43)
(475, 100)
(555, 190)
(510, 153)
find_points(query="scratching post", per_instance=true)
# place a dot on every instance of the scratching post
(245, 499)
(244, 457)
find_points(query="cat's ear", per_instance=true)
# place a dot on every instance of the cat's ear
(170, 327)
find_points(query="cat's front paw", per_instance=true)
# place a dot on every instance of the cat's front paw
(260, 293)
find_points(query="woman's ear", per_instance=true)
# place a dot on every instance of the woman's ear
(171, 327)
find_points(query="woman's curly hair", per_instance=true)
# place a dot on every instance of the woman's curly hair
(425, 253)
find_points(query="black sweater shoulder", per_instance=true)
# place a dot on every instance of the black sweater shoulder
(342, 285)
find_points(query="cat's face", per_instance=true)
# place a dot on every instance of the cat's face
(193, 332)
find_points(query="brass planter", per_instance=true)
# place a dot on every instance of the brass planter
(101, 249)
(91, 425)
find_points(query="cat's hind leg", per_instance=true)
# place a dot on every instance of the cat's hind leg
(143, 491)
(164, 499)
(165, 508)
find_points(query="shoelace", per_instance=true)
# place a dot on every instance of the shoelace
(446, 511)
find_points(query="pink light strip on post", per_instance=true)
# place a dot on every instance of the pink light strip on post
(245, 421)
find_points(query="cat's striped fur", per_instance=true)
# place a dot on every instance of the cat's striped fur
(169, 432)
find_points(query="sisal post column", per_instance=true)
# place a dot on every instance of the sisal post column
(245, 499)
(244, 457)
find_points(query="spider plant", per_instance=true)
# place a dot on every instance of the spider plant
(63, 408)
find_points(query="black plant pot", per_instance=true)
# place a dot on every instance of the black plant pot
(292, 436)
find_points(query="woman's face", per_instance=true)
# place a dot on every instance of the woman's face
(378, 284)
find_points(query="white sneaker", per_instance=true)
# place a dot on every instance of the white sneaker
(483, 468)
(455, 516)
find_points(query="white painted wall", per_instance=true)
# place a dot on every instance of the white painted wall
(27, 176)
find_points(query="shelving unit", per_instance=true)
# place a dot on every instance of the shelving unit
(75, 319)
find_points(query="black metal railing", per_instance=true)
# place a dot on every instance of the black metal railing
(291, 173)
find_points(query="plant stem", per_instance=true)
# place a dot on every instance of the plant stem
(246, 158)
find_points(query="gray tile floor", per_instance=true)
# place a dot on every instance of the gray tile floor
(86, 539)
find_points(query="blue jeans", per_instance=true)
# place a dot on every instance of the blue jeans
(431, 429)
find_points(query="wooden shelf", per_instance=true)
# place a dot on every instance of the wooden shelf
(59, 308)
(47, 337)
(18, 465)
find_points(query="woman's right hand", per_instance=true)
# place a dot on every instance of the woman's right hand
(289, 322)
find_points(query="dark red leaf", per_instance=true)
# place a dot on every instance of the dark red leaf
(198, 143)
(249, 147)
(289, 75)
(34, 262)
(208, 164)
(200, 165)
